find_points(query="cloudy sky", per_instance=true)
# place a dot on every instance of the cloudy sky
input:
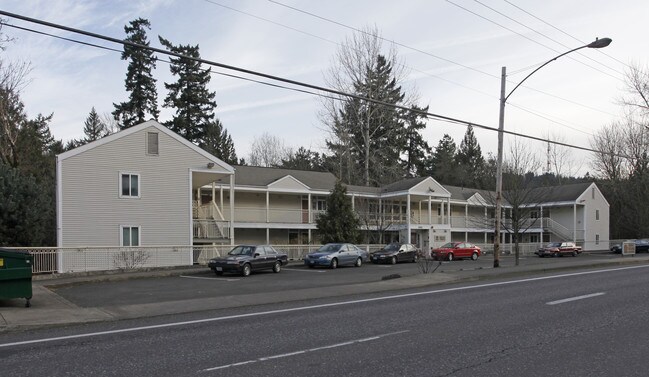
(454, 51)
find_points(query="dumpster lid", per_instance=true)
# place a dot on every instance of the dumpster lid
(14, 253)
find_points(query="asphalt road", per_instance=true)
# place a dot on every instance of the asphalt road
(206, 284)
(577, 324)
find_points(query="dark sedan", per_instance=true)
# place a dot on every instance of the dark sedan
(395, 252)
(244, 259)
(641, 246)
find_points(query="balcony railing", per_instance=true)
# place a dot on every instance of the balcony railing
(211, 229)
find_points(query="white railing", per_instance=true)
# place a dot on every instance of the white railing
(50, 260)
(211, 229)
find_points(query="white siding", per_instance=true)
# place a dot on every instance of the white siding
(92, 211)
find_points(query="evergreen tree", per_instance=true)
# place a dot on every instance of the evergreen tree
(219, 143)
(143, 97)
(93, 128)
(470, 159)
(370, 134)
(443, 164)
(339, 223)
(304, 159)
(193, 101)
(417, 150)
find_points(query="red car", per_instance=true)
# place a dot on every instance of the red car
(456, 250)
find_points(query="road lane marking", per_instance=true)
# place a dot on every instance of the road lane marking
(311, 307)
(297, 269)
(199, 277)
(300, 352)
(575, 298)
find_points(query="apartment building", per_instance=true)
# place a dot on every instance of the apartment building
(148, 186)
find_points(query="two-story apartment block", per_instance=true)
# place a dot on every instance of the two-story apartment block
(148, 186)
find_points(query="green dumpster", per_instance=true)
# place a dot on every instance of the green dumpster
(16, 274)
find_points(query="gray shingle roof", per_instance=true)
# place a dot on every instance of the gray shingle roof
(260, 176)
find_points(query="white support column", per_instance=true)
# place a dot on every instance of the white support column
(430, 210)
(448, 216)
(232, 209)
(198, 196)
(310, 214)
(419, 213)
(574, 222)
(267, 236)
(541, 227)
(466, 216)
(408, 218)
(213, 192)
(267, 206)
(441, 211)
(353, 202)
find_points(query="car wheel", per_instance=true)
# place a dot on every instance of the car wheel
(246, 270)
(450, 256)
(574, 253)
(311, 266)
(218, 273)
(359, 262)
(393, 260)
(334, 263)
(474, 256)
(414, 258)
(277, 267)
(556, 254)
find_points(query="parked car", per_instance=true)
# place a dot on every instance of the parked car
(556, 249)
(456, 250)
(244, 259)
(333, 255)
(641, 246)
(395, 252)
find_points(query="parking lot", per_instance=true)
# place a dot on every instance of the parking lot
(203, 283)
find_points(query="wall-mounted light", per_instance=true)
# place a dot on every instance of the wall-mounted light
(210, 165)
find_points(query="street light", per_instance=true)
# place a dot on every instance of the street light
(598, 43)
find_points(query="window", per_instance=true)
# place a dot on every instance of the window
(270, 251)
(597, 239)
(152, 143)
(129, 185)
(596, 214)
(592, 192)
(130, 236)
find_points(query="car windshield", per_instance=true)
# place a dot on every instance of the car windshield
(242, 250)
(392, 247)
(329, 248)
(553, 244)
(449, 245)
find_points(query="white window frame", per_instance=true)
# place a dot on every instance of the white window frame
(139, 184)
(130, 227)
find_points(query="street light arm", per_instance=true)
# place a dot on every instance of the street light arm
(598, 43)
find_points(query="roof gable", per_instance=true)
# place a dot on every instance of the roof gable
(288, 183)
(137, 128)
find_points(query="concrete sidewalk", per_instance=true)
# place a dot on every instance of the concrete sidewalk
(48, 308)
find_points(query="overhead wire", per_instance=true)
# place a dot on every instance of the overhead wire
(564, 32)
(438, 57)
(429, 115)
(528, 38)
(548, 37)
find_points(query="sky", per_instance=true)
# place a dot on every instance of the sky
(453, 50)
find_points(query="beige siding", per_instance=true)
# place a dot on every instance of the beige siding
(92, 210)
(289, 184)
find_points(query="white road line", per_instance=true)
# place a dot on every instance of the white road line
(295, 269)
(300, 352)
(575, 298)
(310, 307)
(199, 277)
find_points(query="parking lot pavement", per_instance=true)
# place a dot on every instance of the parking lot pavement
(131, 295)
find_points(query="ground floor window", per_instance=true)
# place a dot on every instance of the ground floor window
(597, 239)
(130, 236)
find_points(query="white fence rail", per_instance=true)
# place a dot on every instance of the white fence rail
(67, 260)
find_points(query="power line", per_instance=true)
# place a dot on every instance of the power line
(169, 62)
(293, 82)
(565, 33)
(438, 57)
(547, 37)
(528, 38)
